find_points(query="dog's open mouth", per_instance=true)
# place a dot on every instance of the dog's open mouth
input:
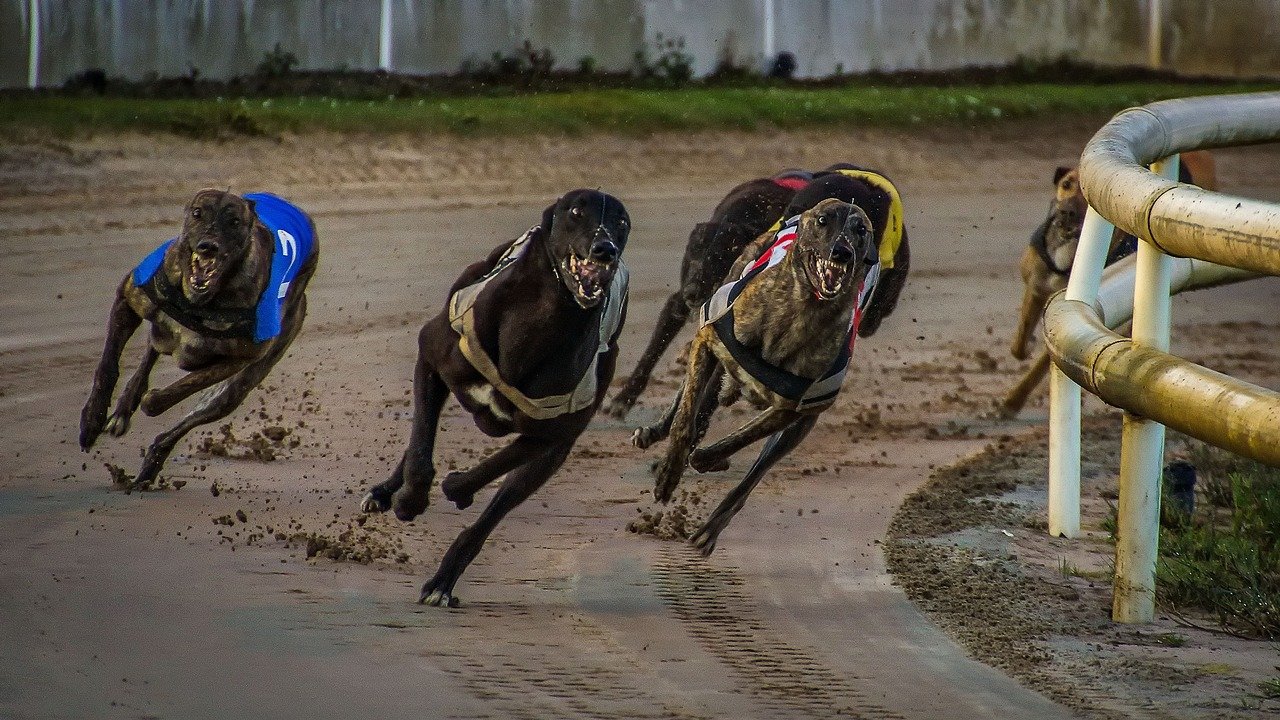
(202, 273)
(828, 277)
(587, 279)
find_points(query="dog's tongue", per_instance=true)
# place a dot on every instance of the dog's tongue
(831, 277)
(588, 275)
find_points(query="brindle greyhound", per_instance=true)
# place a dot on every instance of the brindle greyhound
(748, 210)
(780, 336)
(527, 344)
(225, 298)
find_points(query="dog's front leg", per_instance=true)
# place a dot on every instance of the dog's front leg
(516, 488)
(409, 487)
(702, 365)
(674, 314)
(157, 401)
(716, 456)
(1017, 397)
(776, 448)
(121, 325)
(1033, 298)
(131, 397)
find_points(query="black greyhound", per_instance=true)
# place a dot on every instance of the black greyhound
(527, 344)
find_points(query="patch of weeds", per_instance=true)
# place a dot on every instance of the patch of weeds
(276, 63)
(526, 66)
(1171, 639)
(671, 66)
(1226, 561)
(1068, 570)
(1270, 688)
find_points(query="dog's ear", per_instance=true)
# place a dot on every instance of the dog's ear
(253, 206)
(1057, 174)
(549, 216)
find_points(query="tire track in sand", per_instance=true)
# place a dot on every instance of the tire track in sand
(782, 674)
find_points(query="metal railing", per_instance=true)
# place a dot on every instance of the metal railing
(1219, 239)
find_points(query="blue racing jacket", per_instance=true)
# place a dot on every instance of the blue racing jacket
(294, 243)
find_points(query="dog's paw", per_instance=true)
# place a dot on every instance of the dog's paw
(152, 404)
(89, 436)
(704, 540)
(117, 425)
(438, 598)
(644, 437)
(92, 420)
(703, 462)
(372, 502)
(408, 504)
(705, 544)
(438, 592)
(455, 493)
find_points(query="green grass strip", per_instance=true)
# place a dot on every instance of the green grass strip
(575, 112)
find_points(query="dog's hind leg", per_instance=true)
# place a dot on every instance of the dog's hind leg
(222, 399)
(673, 316)
(121, 325)
(776, 447)
(127, 404)
(516, 488)
(157, 401)
(409, 488)
(716, 456)
(460, 487)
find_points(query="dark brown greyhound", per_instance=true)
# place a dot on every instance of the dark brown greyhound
(527, 344)
(748, 210)
(1047, 260)
(225, 298)
(780, 336)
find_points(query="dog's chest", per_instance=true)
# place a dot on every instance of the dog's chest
(483, 397)
(189, 349)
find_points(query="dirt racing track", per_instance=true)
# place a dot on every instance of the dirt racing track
(252, 587)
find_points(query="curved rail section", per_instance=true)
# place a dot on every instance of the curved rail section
(1221, 239)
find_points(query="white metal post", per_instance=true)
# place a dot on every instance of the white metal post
(1064, 395)
(384, 38)
(1142, 446)
(768, 40)
(1155, 33)
(33, 45)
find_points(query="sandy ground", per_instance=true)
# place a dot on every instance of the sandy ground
(202, 601)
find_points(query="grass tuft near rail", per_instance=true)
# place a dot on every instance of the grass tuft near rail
(1225, 561)
(581, 111)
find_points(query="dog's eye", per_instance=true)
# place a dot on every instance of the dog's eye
(576, 212)
(234, 222)
(195, 213)
(822, 219)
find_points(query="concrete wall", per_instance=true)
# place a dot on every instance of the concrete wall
(220, 38)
